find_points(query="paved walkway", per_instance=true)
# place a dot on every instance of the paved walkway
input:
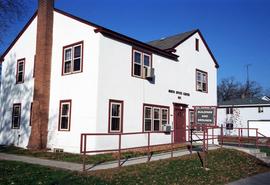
(92, 167)
(260, 179)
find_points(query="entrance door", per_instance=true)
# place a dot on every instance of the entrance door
(179, 123)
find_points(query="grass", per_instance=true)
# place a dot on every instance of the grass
(225, 166)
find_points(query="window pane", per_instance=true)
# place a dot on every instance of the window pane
(156, 125)
(164, 113)
(16, 111)
(77, 51)
(67, 67)
(146, 60)
(137, 57)
(20, 77)
(156, 113)
(199, 78)
(16, 122)
(64, 123)
(204, 78)
(148, 112)
(115, 110)
(204, 86)
(164, 122)
(20, 67)
(115, 124)
(137, 70)
(68, 54)
(147, 125)
(77, 65)
(191, 118)
(65, 109)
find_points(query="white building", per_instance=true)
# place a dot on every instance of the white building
(104, 82)
(246, 113)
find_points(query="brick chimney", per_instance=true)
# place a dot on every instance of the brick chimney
(40, 108)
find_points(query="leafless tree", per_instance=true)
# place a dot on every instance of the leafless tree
(10, 12)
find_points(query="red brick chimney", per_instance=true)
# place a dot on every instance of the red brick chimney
(40, 108)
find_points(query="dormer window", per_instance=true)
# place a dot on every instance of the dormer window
(201, 81)
(197, 44)
(72, 58)
(141, 64)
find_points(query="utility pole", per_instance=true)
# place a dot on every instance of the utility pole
(247, 93)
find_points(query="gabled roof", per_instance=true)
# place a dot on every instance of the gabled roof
(171, 42)
(246, 102)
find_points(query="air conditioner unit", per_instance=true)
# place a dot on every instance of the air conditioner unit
(166, 128)
(149, 73)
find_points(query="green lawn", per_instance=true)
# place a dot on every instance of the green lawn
(225, 166)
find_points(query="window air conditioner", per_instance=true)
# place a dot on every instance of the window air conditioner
(149, 73)
(166, 128)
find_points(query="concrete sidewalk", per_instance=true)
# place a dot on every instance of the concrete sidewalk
(92, 167)
(260, 179)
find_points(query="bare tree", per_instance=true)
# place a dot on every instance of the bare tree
(10, 11)
(230, 89)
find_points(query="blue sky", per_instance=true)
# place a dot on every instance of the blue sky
(237, 31)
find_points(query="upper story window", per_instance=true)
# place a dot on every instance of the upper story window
(20, 71)
(154, 117)
(260, 109)
(115, 115)
(16, 116)
(72, 58)
(64, 115)
(197, 42)
(229, 110)
(141, 64)
(201, 81)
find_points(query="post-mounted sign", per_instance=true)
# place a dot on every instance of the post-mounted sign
(205, 115)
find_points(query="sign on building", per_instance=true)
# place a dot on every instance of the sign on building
(205, 115)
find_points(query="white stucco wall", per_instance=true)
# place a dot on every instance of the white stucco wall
(81, 88)
(11, 92)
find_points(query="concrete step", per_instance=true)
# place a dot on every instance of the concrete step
(260, 155)
(254, 150)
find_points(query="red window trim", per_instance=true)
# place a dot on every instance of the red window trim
(60, 112)
(198, 70)
(121, 117)
(132, 60)
(17, 70)
(197, 42)
(12, 125)
(31, 109)
(153, 106)
(63, 57)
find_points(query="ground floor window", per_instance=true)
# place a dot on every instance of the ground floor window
(16, 116)
(115, 115)
(154, 117)
(64, 115)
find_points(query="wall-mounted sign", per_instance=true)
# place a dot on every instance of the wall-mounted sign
(205, 115)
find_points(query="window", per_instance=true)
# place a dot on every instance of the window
(20, 71)
(115, 115)
(197, 44)
(260, 109)
(141, 64)
(201, 81)
(72, 58)
(31, 109)
(16, 116)
(64, 115)
(229, 110)
(154, 117)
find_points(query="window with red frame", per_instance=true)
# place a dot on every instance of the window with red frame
(115, 115)
(65, 115)
(201, 81)
(20, 71)
(72, 58)
(16, 116)
(141, 63)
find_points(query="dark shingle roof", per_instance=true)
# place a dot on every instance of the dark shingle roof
(245, 101)
(171, 41)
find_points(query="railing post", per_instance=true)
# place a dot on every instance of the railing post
(212, 136)
(256, 138)
(84, 152)
(148, 147)
(204, 147)
(191, 139)
(119, 151)
(239, 139)
(171, 144)
(221, 130)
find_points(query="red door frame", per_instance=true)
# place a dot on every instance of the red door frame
(182, 107)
